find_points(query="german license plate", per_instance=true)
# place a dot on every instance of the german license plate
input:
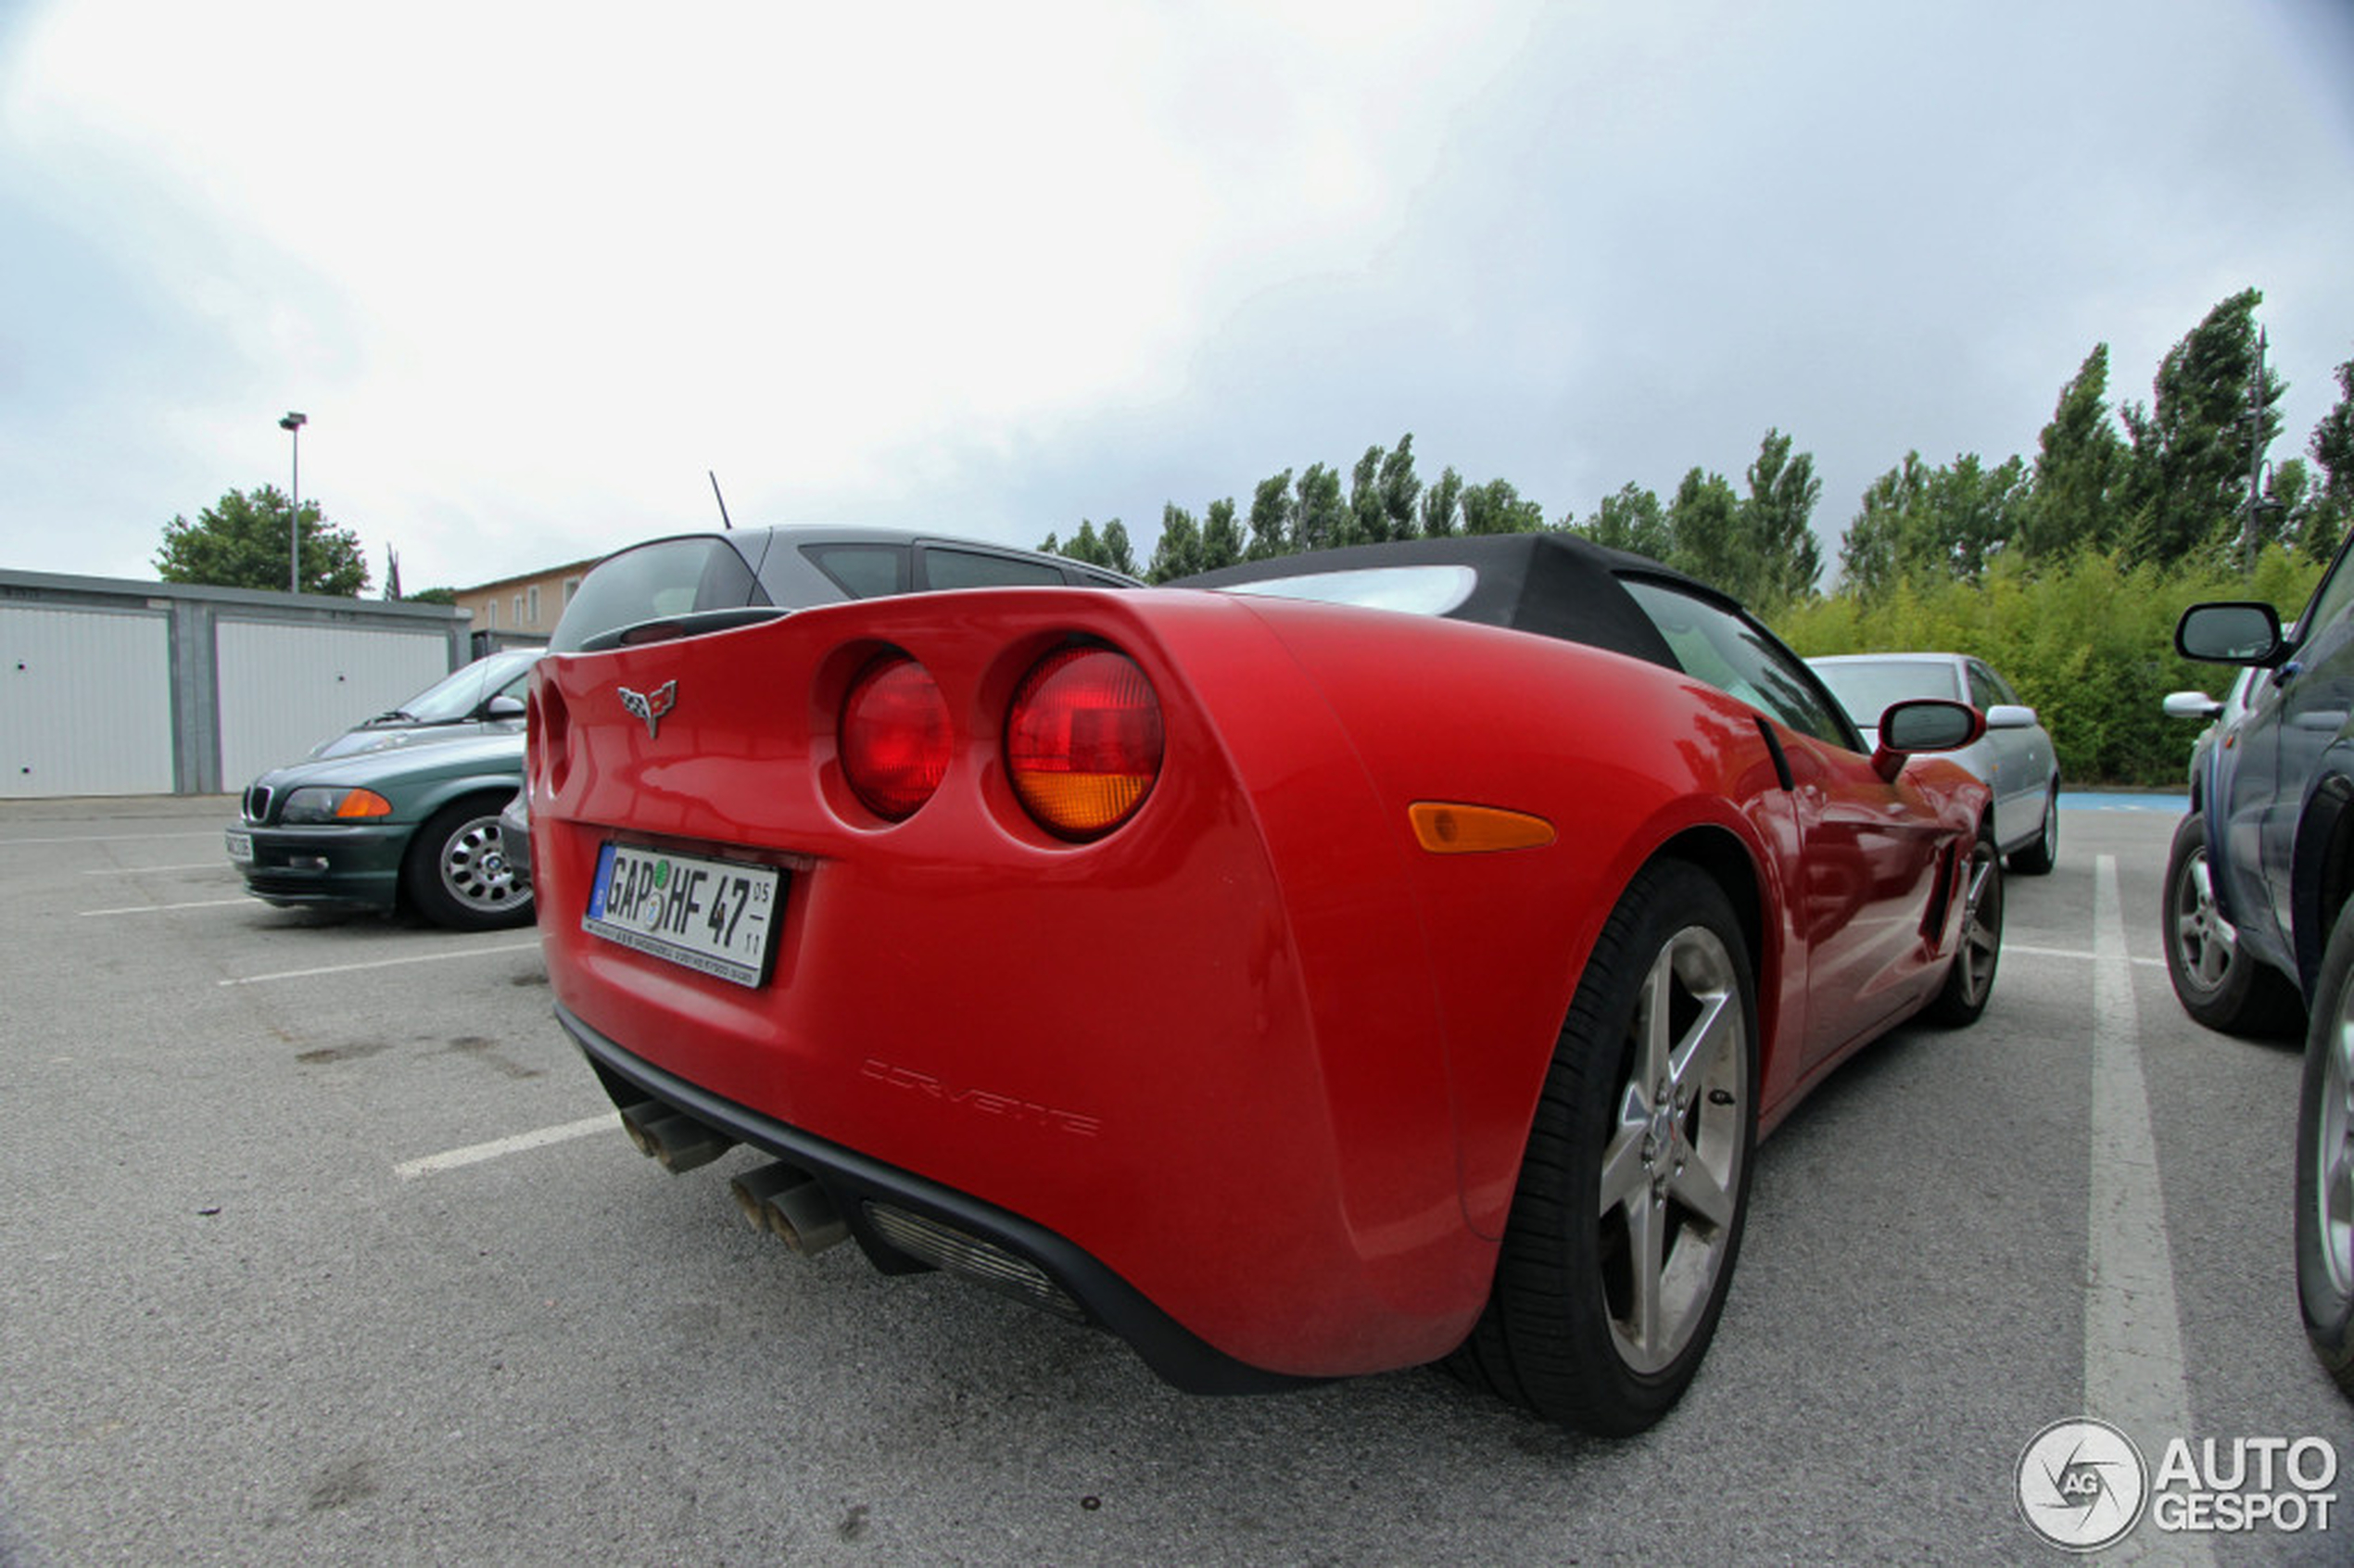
(240, 846)
(715, 915)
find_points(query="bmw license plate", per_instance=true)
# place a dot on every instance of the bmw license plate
(240, 846)
(715, 915)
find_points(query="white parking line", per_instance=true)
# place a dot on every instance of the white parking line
(475, 1154)
(2012, 949)
(109, 838)
(145, 870)
(159, 909)
(2134, 1374)
(387, 963)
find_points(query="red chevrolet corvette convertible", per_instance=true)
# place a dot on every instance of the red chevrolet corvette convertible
(1379, 957)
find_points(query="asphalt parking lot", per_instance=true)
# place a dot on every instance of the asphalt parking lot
(322, 1246)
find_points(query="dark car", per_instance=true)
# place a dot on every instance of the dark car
(414, 826)
(1391, 956)
(2274, 826)
(484, 698)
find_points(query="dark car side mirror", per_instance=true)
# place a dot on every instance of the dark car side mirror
(2231, 632)
(1923, 723)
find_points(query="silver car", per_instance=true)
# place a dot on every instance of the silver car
(2015, 756)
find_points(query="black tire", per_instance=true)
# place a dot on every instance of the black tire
(1579, 1327)
(2216, 980)
(456, 873)
(2038, 858)
(2325, 1163)
(1969, 979)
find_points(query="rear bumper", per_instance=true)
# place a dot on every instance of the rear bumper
(859, 1184)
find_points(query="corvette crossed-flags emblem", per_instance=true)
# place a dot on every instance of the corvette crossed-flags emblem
(650, 706)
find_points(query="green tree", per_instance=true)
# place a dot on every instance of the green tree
(1221, 537)
(2195, 445)
(1179, 553)
(2332, 449)
(1085, 545)
(1777, 522)
(1703, 522)
(2080, 464)
(1319, 518)
(1271, 515)
(1368, 523)
(435, 596)
(1442, 505)
(1118, 555)
(240, 541)
(1400, 489)
(1921, 524)
(1497, 508)
(1631, 520)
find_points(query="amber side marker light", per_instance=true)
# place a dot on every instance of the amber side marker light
(1083, 742)
(1446, 827)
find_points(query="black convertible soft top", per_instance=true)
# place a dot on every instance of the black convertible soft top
(1554, 585)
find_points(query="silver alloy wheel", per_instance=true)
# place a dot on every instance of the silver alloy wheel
(2204, 941)
(1981, 924)
(1671, 1170)
(474, 868)
(2332, 1150)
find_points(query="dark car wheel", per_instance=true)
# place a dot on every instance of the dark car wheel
(2217, 982)
(2038, 858)
(1970, 982)
(2325, 1163)
(457, 873)
(1629, 1216)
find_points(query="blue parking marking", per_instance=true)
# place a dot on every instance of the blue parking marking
(2102, 800)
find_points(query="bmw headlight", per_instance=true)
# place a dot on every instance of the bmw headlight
(316, 803)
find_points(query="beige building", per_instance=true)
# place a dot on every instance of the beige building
(521, 611)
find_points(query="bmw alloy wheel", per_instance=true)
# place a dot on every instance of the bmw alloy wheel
(473, 866)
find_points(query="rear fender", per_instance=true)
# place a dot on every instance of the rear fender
(1572, 735)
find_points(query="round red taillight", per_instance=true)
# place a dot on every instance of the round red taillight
(894, 737)
(1083, 742)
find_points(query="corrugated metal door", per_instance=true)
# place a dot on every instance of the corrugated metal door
(85, 703)
(284, 688)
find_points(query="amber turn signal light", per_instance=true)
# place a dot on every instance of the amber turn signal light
(1447, 827)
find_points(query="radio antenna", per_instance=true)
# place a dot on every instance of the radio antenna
(722, 500)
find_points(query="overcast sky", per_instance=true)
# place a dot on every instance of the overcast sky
(532, 270)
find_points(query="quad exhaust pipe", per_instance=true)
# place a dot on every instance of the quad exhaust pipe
(790, 1206)
(786, 1202)
(674, 1140)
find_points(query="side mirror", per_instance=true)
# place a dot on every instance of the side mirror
(1923, 723)
(2230, 633)
(2193, 705)
(503, 707)
(2008, 715)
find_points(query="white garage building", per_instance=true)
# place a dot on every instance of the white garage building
(118, 688)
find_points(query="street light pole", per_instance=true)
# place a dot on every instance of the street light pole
(292, 424)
